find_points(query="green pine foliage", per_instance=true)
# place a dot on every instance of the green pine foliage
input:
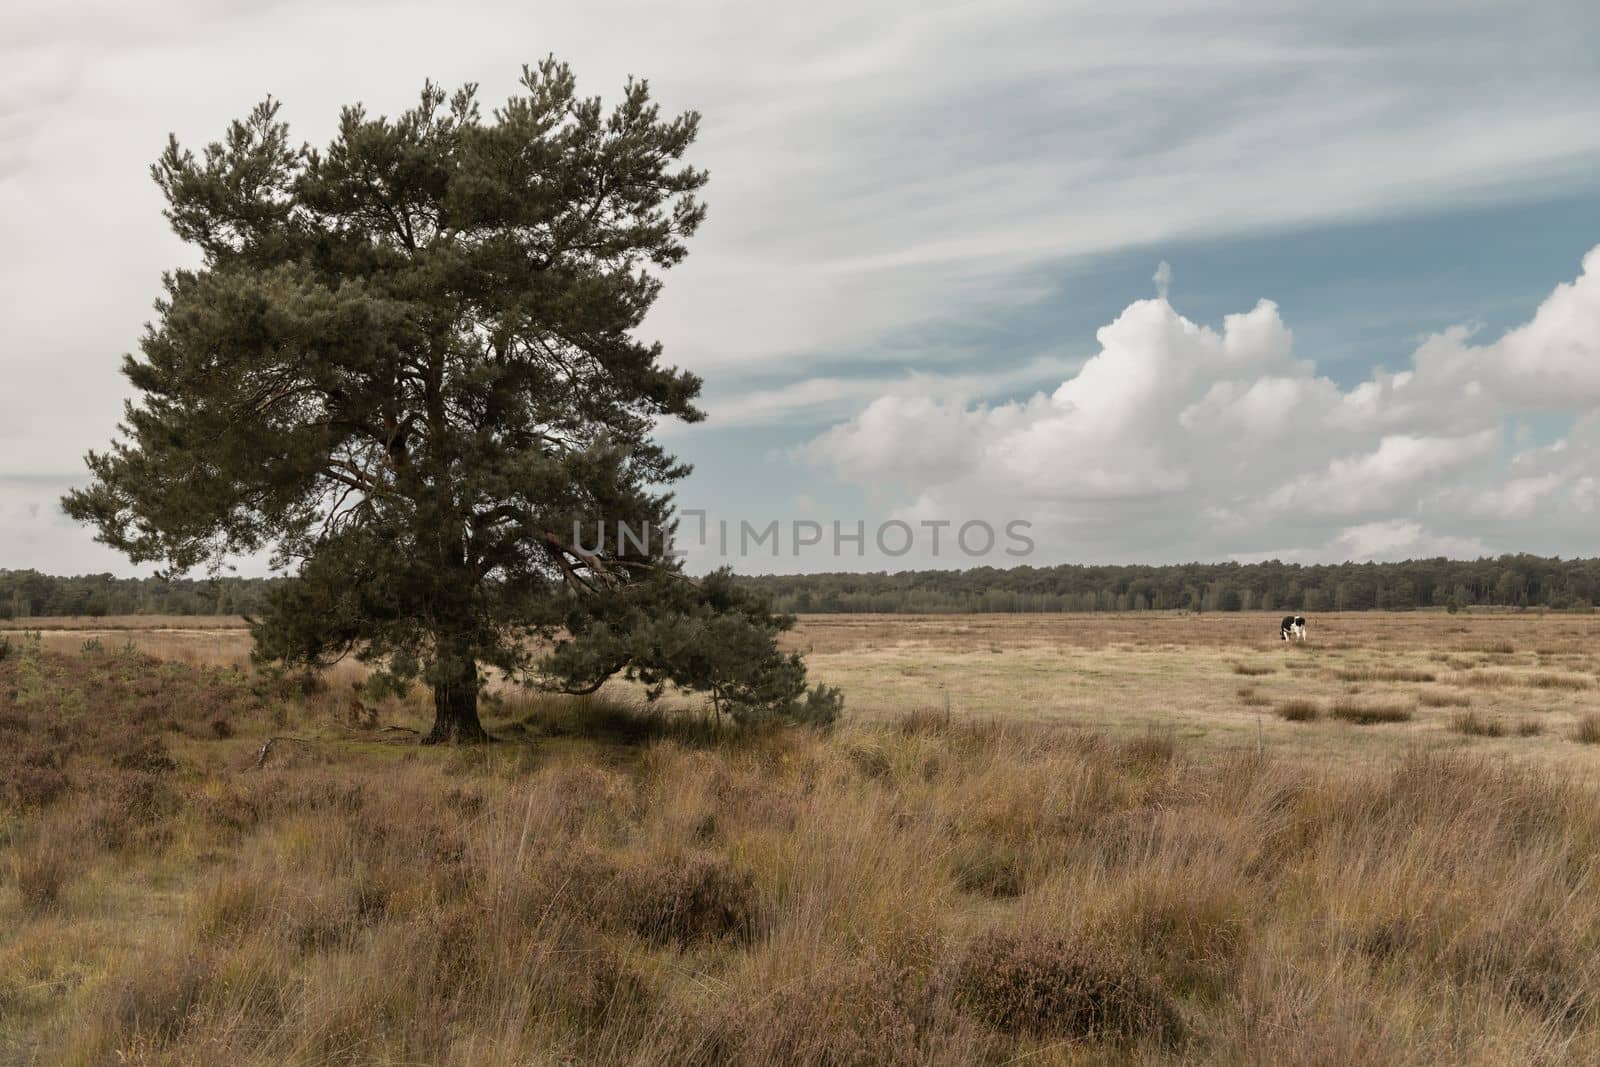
(408, 367)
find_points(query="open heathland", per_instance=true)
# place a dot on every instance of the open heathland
(1101, 851)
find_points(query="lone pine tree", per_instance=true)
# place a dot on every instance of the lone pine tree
(407, 365)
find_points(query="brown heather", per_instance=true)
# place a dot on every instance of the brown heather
(1369, 713)
(1253, 670)
(1383, 674)
(1473, 724)
(1299, 711)
(1250, 697)
(611, 886)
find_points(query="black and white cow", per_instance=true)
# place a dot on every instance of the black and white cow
(1293, 628)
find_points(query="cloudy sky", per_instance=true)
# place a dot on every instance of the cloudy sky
(1165, 281)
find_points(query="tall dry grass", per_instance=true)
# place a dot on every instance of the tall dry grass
(623, 888)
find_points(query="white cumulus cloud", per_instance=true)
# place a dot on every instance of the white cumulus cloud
(1180, 441)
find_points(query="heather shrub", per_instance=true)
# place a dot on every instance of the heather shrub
(1062, 987)
(856, 1012)
(1587, 729)
(989, 868)
(40, 872)
(1559, 681)
(1370, 713)
(1475, 725)
(1299, 711)
(1383, 674)
(683, 900)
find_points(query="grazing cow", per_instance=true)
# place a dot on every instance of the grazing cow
(1293, 628)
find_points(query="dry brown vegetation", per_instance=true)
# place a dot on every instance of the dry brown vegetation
(1473, 724)
(615, 886)
(1368, 712)
(1299, 711)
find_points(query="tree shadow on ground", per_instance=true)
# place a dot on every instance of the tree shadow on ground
(530, 717)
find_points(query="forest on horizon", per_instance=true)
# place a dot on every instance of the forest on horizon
(1508, 581)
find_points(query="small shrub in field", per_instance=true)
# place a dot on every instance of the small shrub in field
(870, 758)
(1251, 670)
(1156, 747)
(1559, 681)
(1479, 679)
(40, 873)
(148, 754)
(990, 868)
(1062, 987)
(1443, 698)
(1587, 730)
(1474, 725)
(698, 898)
(1530, 728)
(923, 721)
(282, 684)
(1383, 674)
(1370, 714)
(30, 779)
(222, 728)
(1299, 711)
(232, 906)
(155, 1001)
(93, 647)
(857, 1012)
(1250, 698)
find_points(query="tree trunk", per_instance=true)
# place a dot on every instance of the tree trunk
(455, 699)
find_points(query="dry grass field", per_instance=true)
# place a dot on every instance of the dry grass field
(1218, 682)
(1133, 839)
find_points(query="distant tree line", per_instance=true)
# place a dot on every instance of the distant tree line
(1520, 581)
(26, 594)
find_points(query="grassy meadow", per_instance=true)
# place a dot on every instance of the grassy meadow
(1130, 839)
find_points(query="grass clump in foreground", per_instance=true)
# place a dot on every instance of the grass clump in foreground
(916, 892)
(1587, 730)
(1057, 987)
(1473, 724)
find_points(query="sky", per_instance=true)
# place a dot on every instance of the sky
(1132, 282)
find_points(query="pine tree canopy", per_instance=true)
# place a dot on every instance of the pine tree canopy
(408, 368)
